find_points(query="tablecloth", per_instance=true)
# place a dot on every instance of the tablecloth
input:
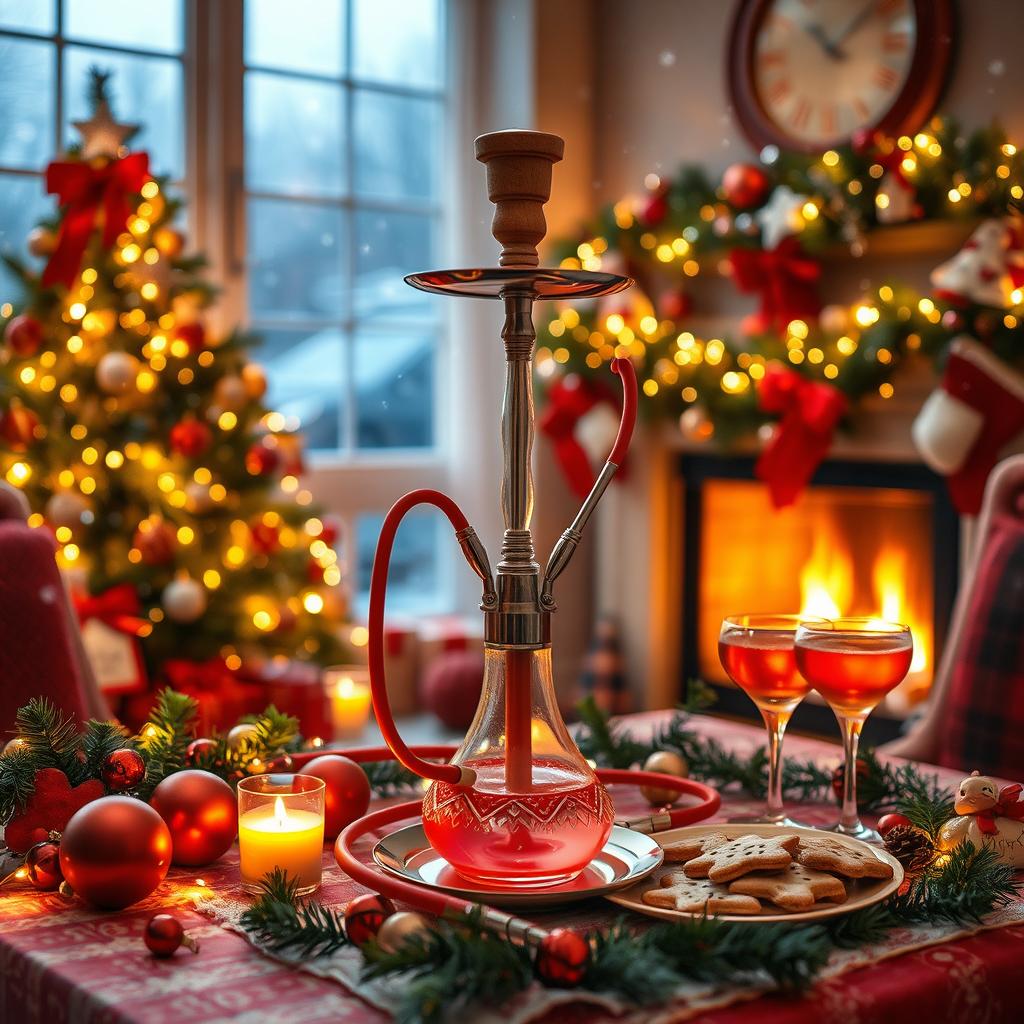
(62, 963)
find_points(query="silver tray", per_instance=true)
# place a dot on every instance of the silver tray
(627, 858)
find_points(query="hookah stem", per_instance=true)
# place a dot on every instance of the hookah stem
(518, 733)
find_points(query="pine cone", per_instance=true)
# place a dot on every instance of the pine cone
(911, 847)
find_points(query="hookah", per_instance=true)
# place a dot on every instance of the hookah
(517, 808)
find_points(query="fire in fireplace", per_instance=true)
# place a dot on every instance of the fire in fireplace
(871, 539)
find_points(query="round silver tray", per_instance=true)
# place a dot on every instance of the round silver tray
(544, 282)
(627, 858)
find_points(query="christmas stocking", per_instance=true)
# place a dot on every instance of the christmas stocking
(963, 425)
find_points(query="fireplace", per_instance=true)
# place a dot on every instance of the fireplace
(878, 539)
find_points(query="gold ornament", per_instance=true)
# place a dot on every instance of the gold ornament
(230, 393)
(15, 744)
(667, 762)
(41, 241)
(184, 599)
(239, 734)
(169, 242)
(255, 380)
(399, 928)
(65, 508)
(116, 372)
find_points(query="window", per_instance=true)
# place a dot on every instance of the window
(46, 50)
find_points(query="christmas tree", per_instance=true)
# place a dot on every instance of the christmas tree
(143, 442)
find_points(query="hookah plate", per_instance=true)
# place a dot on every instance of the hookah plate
(625, 859)
(544, 283)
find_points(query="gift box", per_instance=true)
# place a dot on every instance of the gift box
(402, 666)
(294, 687)
(222, 696)
(442, 633)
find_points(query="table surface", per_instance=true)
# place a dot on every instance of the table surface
(61, 963)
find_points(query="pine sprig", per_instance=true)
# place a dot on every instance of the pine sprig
(17, 782)
(280, 922)
(98, 741)
(164, 739)
(928, 812)
(52, 737)
(388, 777)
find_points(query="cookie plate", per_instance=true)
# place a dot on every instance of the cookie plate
(862, 892)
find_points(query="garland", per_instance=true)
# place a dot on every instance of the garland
(452, 967)
(880, 787)
(767, 228)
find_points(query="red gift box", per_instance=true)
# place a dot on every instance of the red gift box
(402, 666)
(294, 687)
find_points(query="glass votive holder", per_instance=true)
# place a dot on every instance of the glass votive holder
(281, 825)
(348, 691)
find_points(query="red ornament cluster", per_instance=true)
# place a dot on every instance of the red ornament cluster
(364, 916)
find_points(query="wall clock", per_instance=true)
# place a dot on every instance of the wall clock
(808, 74)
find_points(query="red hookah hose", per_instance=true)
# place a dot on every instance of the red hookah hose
(450, 773)
(624, 368)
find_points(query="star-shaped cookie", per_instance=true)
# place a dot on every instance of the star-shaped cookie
(695, 895)
(742, 855)
(826, 854)
(687, 849)
(794, 888)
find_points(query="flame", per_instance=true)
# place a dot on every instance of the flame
(280, 814)
(826, 581)
(888, 575)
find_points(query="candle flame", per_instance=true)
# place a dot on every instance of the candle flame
(346, 686)
(280, 814)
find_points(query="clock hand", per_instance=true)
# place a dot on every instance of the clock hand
(817, 33)
(852, 25)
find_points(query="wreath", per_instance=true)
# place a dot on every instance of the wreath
(797, 367)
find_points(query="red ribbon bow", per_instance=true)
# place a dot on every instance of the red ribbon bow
(87, 191)
(117, 608)
(1009, 805)
(785, 278)
(568, 401)
(810, 411)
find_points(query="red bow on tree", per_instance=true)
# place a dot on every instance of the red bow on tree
(810, 411)
(784, 277)
(88, 191)
(1009, 805)
(117, 608)
(568, 401)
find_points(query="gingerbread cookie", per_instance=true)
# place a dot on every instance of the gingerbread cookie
(687, 849)
(826, 854)
(742, 855)
(794, 888)
(697, 895)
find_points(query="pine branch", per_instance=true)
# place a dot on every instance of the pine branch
(99, 740)
(928, 812)
(17, 781)
(389, 777)
(164, 739)
(52, 737)
(275, 731)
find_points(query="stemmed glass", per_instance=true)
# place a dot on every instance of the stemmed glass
(853, 663)
(756, 652)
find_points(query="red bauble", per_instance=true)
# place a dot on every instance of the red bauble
(364, 916)
(201, 812)
(18, 427)
(115, 852)
(122, 769)
(164, 934)
(194, 335)
(675, 305)
(43, 863)
(451, 686)
(745, 185)
(23, 335)
(889, 821)
(839, 777)
(191, 437)
(49, 809)
(265, 539)
(562, 958)
(156, 540)
(262, 459)
(653, 211)
(200, 751)
(348, 791)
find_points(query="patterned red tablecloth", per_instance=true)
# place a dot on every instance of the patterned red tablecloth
(60, 963)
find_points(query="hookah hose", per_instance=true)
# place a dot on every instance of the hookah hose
(443, 904)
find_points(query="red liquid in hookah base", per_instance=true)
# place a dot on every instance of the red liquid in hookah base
(763, 665)
(543, 836)
(853, 673)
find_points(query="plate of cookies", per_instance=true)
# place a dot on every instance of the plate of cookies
(762, 872)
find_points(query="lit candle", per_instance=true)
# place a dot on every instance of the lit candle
(349, 691)
(281, 825)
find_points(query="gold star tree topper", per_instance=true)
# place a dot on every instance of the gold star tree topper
(102, 135)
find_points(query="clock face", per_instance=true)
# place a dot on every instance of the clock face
(822, 69)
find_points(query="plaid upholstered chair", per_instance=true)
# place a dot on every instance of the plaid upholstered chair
(41, 650)
(975, 718)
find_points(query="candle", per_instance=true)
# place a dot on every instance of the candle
(348, 688)
(281, 825)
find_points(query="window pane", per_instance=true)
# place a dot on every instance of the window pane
(296, 259)
(153, 25)
(394, 389)
(22, 205)
(28, 15)
(397, 41)
(418, 580)
(388, 246)
(144, 90)
(293, 135)
(386, 126)
(297, 35)
(26, 103)
(305, 370)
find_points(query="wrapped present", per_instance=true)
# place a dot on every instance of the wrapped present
(294, 687)
(402, 665)
(442, 633)
(222, 696)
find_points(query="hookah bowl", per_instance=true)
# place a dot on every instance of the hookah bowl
(518, 806)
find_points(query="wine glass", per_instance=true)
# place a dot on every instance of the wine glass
(853, 663)
(756, 652)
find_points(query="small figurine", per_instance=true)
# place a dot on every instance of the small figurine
(988, 815)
